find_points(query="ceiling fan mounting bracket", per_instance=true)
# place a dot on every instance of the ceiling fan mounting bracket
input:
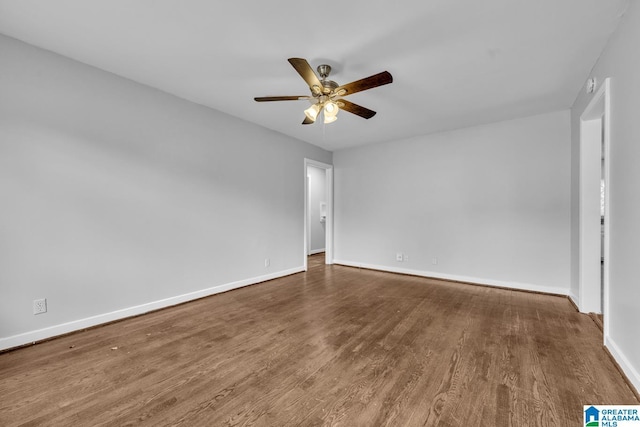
(324, 70)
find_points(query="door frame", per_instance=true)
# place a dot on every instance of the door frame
(329, 222)
(595, 130)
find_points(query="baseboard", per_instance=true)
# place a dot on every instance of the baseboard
(574, 300)
(76, 325)
(623, 363)
(456, 278)
(316, 251)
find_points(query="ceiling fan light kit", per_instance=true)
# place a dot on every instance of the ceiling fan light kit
(325, 105)
(312, 112)
(331, 110)
(326, 95)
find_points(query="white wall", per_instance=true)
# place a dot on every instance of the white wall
(118, 198)
(491, 203)
(317, 195)
(621, 63)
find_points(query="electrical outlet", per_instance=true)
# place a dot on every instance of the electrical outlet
(267, 262)
(399, 257)
(39, 306)
(434, 261)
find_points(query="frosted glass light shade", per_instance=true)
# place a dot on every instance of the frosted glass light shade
(330, 119)
(331, 108)
(330, 112)
(312, 112)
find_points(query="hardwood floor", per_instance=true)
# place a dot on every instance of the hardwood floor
(334, 346)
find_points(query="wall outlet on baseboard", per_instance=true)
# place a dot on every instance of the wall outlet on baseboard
(39, 306)
(399, 257)
(434, 261)
(267, 262)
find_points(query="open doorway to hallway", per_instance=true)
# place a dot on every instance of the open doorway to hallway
(318, 212)
(594, 207)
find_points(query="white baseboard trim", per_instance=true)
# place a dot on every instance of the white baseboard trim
(573, 297)
(456, 278)
(629, 370)
(316, 251)
(76, 325)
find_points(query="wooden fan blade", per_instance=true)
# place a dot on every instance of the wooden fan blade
(280, 98)
(370, 82)
(356, 109)
(306, 72)
(307, 121)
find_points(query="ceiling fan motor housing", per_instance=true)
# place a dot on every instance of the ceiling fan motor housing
(329, 84)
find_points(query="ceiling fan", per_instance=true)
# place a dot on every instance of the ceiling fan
(327, 95)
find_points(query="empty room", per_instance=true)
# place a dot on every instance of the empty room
(364, 213)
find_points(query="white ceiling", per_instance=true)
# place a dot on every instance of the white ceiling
(455, 63)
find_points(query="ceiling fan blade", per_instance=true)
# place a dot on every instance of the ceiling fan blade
(356, 109)
(370, 82)
(306, 72)
(280, 98)
(307, 121)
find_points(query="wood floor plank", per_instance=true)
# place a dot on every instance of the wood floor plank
(334, 346)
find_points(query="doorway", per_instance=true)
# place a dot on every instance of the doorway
(316, 210)
(595, 215)
(321, 213)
